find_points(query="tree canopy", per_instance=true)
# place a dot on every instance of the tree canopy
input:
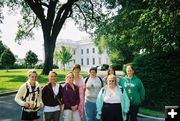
(140, 26)
(7, 58)
(2, 48)
(63, 55)
(31, 59)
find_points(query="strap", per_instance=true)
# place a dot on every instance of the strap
(59, 101)
(99, 79)
(27, 92)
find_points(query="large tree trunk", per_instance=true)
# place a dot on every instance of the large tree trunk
(49, 47)
(48, 62)
(51, 25)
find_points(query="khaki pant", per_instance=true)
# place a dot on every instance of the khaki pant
(70, 115)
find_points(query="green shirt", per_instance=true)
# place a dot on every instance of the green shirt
(134, 89)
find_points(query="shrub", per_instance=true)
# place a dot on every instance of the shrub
(160, 74)
(39, 66)
(117, 66)
(55, 66)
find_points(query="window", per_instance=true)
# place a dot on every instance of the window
(81, 51)
(99, 61)
(93, 60)
(82, 61)
(87, 51)
(87, 61)
(93, 50)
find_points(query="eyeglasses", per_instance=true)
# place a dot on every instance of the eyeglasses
(111, 80)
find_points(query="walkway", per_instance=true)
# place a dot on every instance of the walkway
(10, 110)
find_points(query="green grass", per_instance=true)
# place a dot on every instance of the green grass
(150, 112)
(12, 80)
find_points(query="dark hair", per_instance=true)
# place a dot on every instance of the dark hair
(93, 68)
(108, 72)
(130, 65)
(76, 66)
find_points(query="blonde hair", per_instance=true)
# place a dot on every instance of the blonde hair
(53, 72)
(30, 72)
(68, 74)
(111, 76)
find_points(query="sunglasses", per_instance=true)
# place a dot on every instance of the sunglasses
(111, 80)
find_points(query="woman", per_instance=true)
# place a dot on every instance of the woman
(135, 91)
(112, 102)
(78, 80)
(52, 96)
(29, 97)
(71, 99)
(111, 70)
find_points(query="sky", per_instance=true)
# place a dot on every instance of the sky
(9, 29)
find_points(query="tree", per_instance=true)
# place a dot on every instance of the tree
(51, 15)
(31, 59)
(2, 48)
(149, 25)
(7, 58)
(63, 55)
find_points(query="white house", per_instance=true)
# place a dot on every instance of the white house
(84, 53)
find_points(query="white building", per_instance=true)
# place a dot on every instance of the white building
(84, 53)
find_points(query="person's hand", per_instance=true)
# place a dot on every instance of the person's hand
(74, 108)
(26, 105)
(125, 113)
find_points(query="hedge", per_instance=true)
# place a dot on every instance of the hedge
(160, 74)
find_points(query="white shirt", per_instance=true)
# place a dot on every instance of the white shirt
(93, 86)
(112, 96)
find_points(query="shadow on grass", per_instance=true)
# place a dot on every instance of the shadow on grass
(4, 89)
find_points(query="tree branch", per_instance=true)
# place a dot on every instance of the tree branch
(34, 24)
(44, 4)
(37, 9)
(92, 9)
(85, 23)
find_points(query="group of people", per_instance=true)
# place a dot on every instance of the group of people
(109, 99)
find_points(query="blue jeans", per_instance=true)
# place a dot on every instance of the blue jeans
(90, 111)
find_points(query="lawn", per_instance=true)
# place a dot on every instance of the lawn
(11, 81)
(150, 112)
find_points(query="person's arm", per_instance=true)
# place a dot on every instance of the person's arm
(78, 100)
(20, 94)
(126, 101)
(59, 95)
(44, 95)
(99, 104)
(141, 91)
(40, 96)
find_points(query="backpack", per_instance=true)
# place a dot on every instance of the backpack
(27, 92)
(99, 79)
